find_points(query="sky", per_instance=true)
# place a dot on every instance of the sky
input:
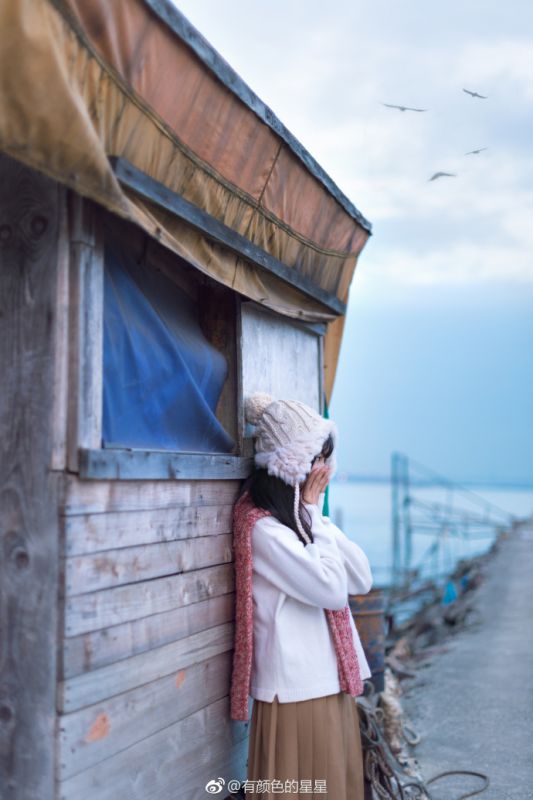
(437, 356)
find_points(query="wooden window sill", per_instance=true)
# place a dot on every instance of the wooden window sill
(129, 464)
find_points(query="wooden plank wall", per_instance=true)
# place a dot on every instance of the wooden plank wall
(146, 592)
(145, 658)
(31, 221)
(116, 597)
(266, 335)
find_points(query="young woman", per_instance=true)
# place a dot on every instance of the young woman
(297, 650)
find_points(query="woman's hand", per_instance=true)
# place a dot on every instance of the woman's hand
(316, 482)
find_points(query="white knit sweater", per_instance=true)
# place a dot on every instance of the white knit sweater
(294, 654)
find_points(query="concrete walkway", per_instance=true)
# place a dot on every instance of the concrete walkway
(473, 704)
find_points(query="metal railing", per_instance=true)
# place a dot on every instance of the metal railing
(425, 503)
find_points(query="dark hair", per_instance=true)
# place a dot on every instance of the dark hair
(327, 449)
(274, 495)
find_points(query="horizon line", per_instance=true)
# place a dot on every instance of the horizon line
(343, 476)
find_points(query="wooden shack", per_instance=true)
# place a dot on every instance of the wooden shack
(166, 248)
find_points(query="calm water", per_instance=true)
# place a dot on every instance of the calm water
(363, 511)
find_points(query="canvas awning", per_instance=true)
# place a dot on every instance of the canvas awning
(84, 80)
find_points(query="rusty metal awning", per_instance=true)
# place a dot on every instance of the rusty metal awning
(85, 80)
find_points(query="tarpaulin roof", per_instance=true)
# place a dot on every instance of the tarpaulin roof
(83, 80)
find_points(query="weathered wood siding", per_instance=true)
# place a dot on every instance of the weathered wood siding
(85, 339)
(117, 596)
(147, 604)
(146, 590)
(280, 356)
(31, 208)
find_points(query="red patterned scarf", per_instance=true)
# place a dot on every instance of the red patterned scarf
(245, 514)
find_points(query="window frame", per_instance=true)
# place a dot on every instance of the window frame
(85, 454)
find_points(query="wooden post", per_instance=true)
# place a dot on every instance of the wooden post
(85, 329)
(29, 226)
(61, 393)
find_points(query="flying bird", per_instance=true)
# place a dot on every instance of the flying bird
(441, 175)
(479, 150)
(475, 94)
(403, 108)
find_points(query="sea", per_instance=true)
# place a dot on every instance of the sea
(364, 511)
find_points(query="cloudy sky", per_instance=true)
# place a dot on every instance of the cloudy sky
(437, 358)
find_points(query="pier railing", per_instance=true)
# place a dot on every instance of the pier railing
(426, 504)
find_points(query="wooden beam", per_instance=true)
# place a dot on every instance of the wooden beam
(85, 328)
(84, 534)
(93, 687)
(30, 210)
(61, 349)
(158, 193)
(319, 328)
(80, 496)
(108, 607)
(159, 465)
(180, 25)
(96, 649)
(127, 565)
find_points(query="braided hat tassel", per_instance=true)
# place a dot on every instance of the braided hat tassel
(296, 510)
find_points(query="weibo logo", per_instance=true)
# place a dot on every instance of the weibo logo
(215, 785)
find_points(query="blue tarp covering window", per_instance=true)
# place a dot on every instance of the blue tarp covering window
(162, 377)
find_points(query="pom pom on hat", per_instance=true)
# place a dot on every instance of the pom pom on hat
(254, 406)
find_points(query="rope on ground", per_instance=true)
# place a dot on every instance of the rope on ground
(481, 775)
(383, 769)
(414, 737)
(380, 764)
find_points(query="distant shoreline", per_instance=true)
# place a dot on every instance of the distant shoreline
(509, 486)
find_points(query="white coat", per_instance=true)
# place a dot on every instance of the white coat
(293, 654)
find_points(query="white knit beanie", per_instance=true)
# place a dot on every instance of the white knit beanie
(288, 435)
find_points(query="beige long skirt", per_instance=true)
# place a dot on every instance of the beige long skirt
(304, 749)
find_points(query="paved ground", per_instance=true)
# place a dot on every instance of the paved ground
(473, 704)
